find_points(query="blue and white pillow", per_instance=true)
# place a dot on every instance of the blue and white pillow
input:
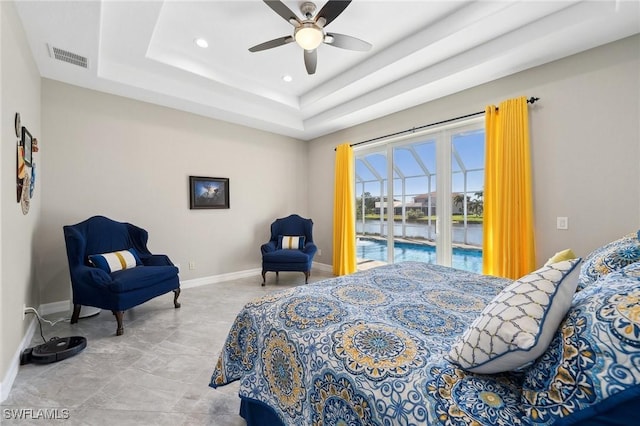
(590, 373)
(609, 258)
(290, 242)
(516, 327)
(115, 261)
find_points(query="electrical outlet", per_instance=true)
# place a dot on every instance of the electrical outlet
(319, 252)
(192, 264)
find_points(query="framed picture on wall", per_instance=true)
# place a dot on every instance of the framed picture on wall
(26, 143)
(208, 192)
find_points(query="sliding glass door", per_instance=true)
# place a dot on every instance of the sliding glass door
(433, 211)
(415, 196)
(371, 206)
(467, 175)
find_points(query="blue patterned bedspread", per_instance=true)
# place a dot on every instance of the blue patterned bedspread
(368, 349)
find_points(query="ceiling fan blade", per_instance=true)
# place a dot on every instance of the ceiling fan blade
(271, 44)
(311, 60)
(282, 10)
(330, 11)
(346, 42)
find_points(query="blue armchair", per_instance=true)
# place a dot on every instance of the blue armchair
(295, 253)
(133, 279)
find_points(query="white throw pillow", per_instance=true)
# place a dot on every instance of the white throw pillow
(115, 261)
(290, 242)
(517, 326)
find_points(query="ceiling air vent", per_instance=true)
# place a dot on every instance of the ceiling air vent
(69, 57)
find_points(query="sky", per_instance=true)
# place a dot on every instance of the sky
(468, 146)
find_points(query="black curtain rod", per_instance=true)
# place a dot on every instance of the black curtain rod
(531, 100)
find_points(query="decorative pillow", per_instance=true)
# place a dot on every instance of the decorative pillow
(609, 258)
(589, 375)
(290, 242)
(116, 261)
(517, 325)
(560, 256)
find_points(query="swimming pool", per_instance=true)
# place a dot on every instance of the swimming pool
(467, 259)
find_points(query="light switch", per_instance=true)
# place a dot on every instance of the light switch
(562, 222)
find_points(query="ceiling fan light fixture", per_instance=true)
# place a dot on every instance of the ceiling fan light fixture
(309, 36)
(309, 32)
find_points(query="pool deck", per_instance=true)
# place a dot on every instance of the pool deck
(416, 241)
(364, 264)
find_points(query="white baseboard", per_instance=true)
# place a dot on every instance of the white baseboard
(213, 279)
(257, 272)
(12, 372)
(54, 307)
(323, 267)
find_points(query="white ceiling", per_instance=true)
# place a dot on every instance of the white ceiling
(422, 50)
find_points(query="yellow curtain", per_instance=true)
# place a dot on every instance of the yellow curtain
(508, 238)
(344, 227)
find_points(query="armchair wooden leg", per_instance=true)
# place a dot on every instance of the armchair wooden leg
(176, 294)
(76, 314)
(306, 276)
(263, 277)
(119, 315)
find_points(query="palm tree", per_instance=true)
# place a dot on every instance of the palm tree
(458, 199)
(474, 206)
(479, 203)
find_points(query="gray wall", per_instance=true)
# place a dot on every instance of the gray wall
(20, 89)
(585, 138)
(131, 161)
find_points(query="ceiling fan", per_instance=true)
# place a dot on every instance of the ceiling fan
(309, 33)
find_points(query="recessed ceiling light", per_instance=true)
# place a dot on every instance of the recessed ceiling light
(287, 78)
(200, 42)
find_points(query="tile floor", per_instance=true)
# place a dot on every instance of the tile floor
(157, 373)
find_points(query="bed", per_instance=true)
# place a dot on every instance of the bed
(376, 348)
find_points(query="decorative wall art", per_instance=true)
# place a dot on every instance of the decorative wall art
(20, 166)
(18, 124)
(25, 202)
(26, 146)
(208, 193)
(21, 170)
(32, 186)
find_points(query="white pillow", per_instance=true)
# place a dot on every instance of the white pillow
(115, 261)
(291, 242)
(517, 326)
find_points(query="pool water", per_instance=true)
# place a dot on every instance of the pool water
(462, 258)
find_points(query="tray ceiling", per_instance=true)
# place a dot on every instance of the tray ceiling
(422, 50)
